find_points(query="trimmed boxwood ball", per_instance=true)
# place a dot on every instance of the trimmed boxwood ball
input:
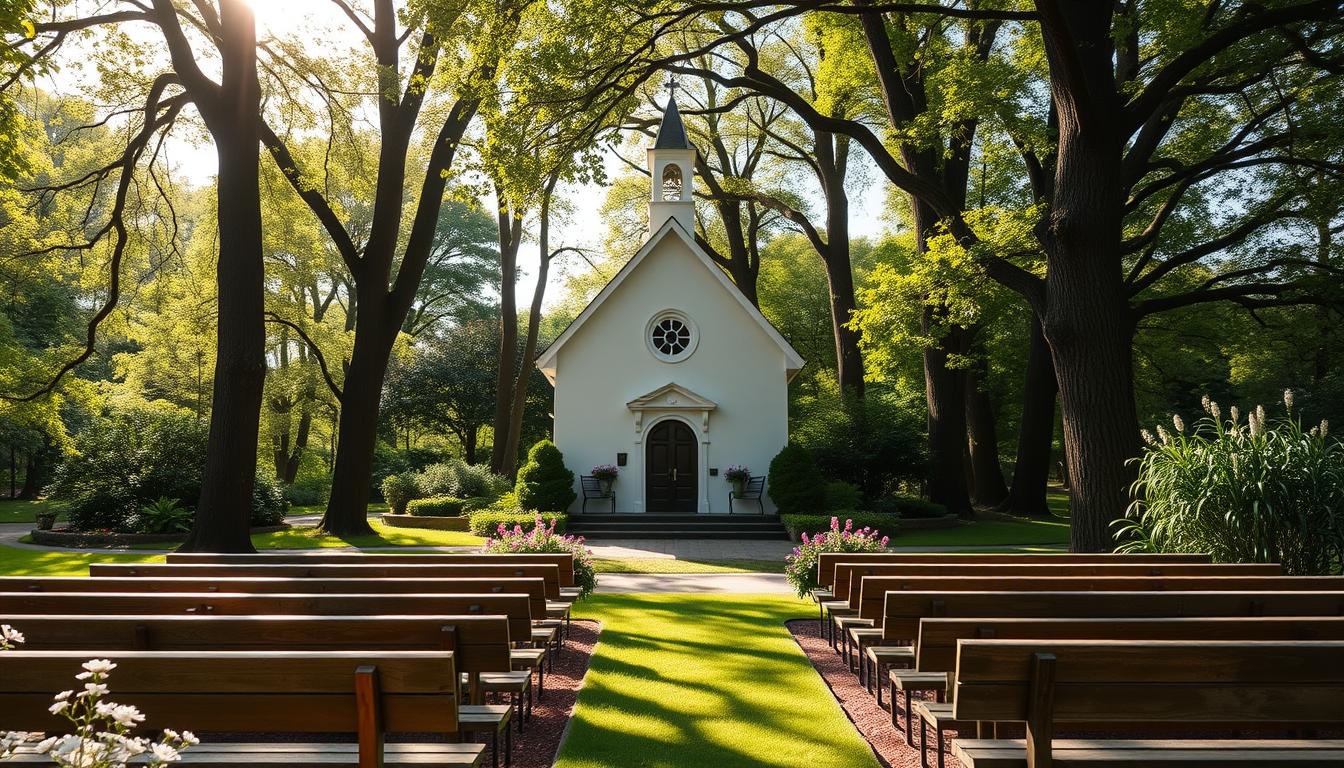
(795, 484)
(398, 491)
(544, 484)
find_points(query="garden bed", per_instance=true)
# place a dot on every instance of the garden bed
(63, 537)
(436, 523)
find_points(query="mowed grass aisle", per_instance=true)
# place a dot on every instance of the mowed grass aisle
(686, 680)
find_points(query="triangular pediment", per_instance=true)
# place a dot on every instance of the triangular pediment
(671, 397)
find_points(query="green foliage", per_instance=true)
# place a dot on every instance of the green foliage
(460, 479)
(1263, 491)
(823, 533)
(308, 490)
(398, 490)
(905, 506)
(269, 503)
(544, 484)
(875, 442)
(794, 482)
(128, 458)
(487, 522)
(163, 515)
(444, 506)
(841, 495)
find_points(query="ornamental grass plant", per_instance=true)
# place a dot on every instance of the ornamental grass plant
(1257, 490)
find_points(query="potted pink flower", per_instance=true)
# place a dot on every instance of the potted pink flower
(737, 475)
(605, 475)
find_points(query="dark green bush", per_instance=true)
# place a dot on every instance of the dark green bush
(461, 480)
(309, 491)
(842, 495)
(130, 458)
(544, 483)
(437, 506)
(486, 523)
(398, 491)
(876, 442)
(269, 504)
(907, 507)
(795, 484)
(810, 524)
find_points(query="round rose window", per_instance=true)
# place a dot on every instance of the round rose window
(672, 337)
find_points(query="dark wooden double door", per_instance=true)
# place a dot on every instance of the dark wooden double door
(671, 469)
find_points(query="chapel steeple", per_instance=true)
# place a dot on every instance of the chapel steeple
(672, 165)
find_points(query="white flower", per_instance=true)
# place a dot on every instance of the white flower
(165, 753)
(1325, 427)
(1177, 422)
(94, 689)
(190, 738)
(1206, 402)
(63, 695)
(121, 714)
(9, 637)
(58, 707)
(99, 666)
(1236, 414)
(1147, 436)
(1288, 399)
(1163, 435)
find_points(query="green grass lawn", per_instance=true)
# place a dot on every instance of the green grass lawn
(307, 537)
(689, 680)
(14, 511)
(29, 562)
(989, 533)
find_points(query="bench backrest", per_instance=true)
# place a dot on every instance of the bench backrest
(547, 572)
(479, 643)
(1229, 683)
(936, 649)
(848, 575)
(364, 692)
(753, 488)
(827, 561)
(516, 608)
(875, 588)
(535, 589)
(563, 560)
(905, 609)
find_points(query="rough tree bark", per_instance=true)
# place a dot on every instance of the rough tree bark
(510, 238)
(231, 112)
(1035, 435)
(987, 486)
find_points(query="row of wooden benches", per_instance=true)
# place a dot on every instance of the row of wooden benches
(329, 643)
(1109, 643)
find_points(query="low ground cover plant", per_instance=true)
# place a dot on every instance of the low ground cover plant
(1245, 490)
(801, 566)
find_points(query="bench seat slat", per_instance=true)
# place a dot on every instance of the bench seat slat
(1011, 753)
(280, 755)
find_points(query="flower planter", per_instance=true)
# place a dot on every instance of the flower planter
(739, 487)
(46, 521)
(605, 486)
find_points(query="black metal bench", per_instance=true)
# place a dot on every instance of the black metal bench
(592, 490)
(752, 491)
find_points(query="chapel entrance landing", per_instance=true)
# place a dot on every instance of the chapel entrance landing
(671, 469)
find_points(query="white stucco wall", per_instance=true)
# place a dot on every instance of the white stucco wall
(607, 363)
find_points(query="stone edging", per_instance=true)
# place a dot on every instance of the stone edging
(109, 540)
(436, 523)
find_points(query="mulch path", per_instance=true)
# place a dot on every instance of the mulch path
(873, 722)
(537, 745)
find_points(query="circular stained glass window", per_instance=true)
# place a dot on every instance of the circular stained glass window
(672, 336)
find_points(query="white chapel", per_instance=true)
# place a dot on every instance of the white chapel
(670, 373)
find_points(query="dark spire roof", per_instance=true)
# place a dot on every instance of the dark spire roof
(672, 133)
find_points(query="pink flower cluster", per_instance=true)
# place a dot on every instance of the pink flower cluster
(801, 566)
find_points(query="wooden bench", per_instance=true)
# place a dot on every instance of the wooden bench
(367, 693)
(546, 630)
(1131, 684)
(480, 646)
(562, 560)
(517, 608)
(936, 646)
(557, 607)
(827, 562)
(873, 589)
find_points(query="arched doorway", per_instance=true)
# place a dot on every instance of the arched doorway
(671, 468)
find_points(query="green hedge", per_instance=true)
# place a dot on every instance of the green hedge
(810, 524)
(437, 506)
(906, 506)
(486, 523)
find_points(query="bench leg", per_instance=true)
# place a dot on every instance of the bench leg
(508, 748)
(494, 749)
(909, 737)
(923, 742)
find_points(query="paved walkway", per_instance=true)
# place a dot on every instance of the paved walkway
(698, 583)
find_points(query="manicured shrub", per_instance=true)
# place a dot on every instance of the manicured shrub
(876, 442)
(907, 507)
(795, 484)
(545, 536)
(1256, 491)
(398, 490)
(461, 480)
(797, 525)
(437, 506)
(841, 495)
(487, 522)
(544, 484)
(269, 504)
(801, 567)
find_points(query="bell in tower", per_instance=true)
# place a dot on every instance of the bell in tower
(672, 165)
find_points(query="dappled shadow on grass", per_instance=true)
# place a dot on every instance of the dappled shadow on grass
(692, 680)
(308, 537)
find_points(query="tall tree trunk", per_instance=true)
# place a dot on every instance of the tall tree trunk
(224, 511)
(347, 508)
(832, 161)
(300, 446)
(13, 472)
(32, 477)
(1321, 363)
(1035, 436)
(1088, 320)
(510, 237)
(533, 329)
(945, 395)
(988, 488)
(469, 444)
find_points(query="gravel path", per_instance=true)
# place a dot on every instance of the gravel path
(540, 740)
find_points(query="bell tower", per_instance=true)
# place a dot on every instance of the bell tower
(672, 165)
